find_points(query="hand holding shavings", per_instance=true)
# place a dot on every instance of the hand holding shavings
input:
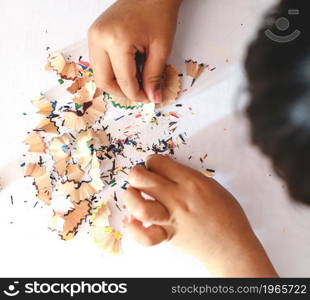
(67, 225)
(66, 70)
(101, 231)
(193, 69)
(171, 88)
(35, 142)
(42, 182)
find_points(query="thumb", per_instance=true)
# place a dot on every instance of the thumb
(152, 73)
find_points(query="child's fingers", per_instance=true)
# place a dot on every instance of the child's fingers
(124, 67)
(103, 72)
(169, 168)
(151, 183)
(147, 236)
(144, 210)
(152, 72)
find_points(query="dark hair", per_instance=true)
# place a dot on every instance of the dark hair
(279, 85)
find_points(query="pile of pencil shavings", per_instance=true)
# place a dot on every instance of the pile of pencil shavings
(66, 136)
(74, 149)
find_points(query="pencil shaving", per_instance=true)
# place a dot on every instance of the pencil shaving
(92, 112)
(42, 182)
(59, 150)
(47, 125)
(67, 225)
(100, 215)
(194, 70)
(77, 84)
(84, 190)
(45, 106)
(74, 173)
(84, 140)
(106, 238)
(35, 142)
(66, 70)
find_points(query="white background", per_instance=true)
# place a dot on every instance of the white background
(215, 31)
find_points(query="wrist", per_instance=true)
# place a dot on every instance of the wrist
(168, 3)
(244, 257)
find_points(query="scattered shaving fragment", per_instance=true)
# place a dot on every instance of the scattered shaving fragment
(66, 70)
(67, 225)
(35, 142)
(45, 106)
(92, 112)
(86, 93)
(83, 150)
(76, 154)
(74, 173)
(84, 140)
(100, 215)
(42, 181)
(77, 84)
(57, 222)
(58, 149)
(106, 238)
(171, 86)
(48, 126)
(84, 190)
(193, 69)
(101, 231)
(149, 111)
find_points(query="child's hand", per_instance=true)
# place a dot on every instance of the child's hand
(128, 26)
(197, 215)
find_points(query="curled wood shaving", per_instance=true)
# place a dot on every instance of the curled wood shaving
(45, 106)
(106, 238)
(193, 69)
(84, 140)
(86, 93)
(77, 84)
(85, 190)
(67, 225)
(47, 126)
(74, 173)
(93, 111)
(42, 181)
(35, 142)
(171, 86)
(58, 149)
(100, 215)
(83, 151)
(101, 231)
(57, 222)
(66, 70)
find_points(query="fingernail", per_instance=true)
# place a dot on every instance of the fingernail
(157, 96)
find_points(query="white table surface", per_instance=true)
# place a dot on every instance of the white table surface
(209, 30)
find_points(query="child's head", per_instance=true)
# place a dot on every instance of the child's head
(279, 86)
